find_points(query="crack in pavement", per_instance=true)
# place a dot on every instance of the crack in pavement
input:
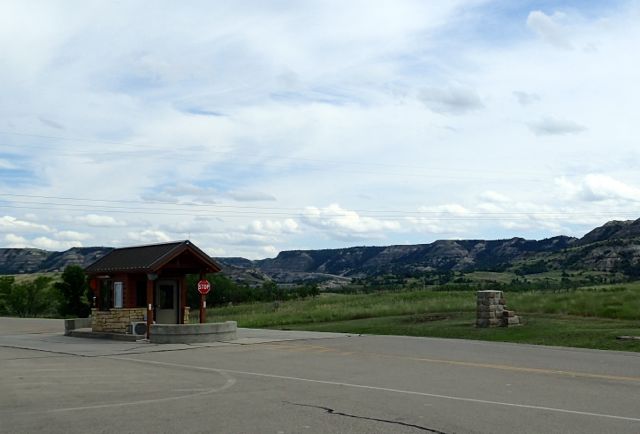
(61, 353)
(339, 413)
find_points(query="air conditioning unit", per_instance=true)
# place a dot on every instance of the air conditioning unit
(139, 328)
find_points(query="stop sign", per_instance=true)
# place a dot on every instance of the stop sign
(204, 287)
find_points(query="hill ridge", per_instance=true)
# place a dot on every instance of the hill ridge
(612, 247)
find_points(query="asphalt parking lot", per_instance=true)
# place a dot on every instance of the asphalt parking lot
(304, 382)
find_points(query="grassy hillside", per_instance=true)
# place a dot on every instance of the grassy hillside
(586, 317)
(54, 275)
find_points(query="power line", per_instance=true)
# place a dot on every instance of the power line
(194, 207)
(319, 217)
(322, 217)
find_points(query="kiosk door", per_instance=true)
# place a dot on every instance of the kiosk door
(167, 302)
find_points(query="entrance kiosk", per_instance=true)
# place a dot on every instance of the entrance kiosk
(144, 284)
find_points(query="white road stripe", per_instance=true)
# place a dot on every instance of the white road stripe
(230, 382)
(385, 389)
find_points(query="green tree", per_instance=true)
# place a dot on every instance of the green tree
(306, 290)
(28, 299)
(73, 292)
(271, 291)
(6, 284)
(313, 289)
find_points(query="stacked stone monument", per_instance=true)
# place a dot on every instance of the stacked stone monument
(492, 311)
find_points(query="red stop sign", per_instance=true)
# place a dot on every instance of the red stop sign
(204, 287)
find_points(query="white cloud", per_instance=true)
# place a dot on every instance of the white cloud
(50, 123)
(149, 236)
(525, 98)
(449, 218)
(549, 28)
(434, 226)
(535, 223)
(12, 224)
(15, 241)
(241, 238)
(341, 223)
(233, 103)
(448, 209)
(181, 193)
(494, 197)
(46, 243)
(594, 187)
(215, 251)
(99, 220)
(72, 236)
(7, 165)
(452, 99)
(271, 227)
(491, 207)
(251, 196)
(186, 227)
(270, 251)
(182, 189)
(254, 240)
(549, 126)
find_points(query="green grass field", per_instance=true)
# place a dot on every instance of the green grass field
(589, 317)
(54, 275)
(490, 276)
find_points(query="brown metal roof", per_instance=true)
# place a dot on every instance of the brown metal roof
(149, 258)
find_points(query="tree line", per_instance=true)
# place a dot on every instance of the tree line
(70, 296)
(44, 297)
(225, 291)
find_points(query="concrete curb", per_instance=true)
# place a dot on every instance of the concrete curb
(76, 323)
(193, 333)
(103, 335)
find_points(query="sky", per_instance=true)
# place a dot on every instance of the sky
(253, 127)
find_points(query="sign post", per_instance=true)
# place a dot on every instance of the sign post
(203, 288)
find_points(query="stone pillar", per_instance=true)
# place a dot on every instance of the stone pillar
(491, 310)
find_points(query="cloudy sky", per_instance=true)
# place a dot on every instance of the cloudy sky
(252, 127)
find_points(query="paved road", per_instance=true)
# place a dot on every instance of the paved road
(302, 382)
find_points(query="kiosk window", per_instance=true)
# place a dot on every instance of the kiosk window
(165, 296)
(106, 294)
(141, 293)
(118, 294)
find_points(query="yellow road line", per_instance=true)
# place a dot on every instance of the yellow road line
(322, 349)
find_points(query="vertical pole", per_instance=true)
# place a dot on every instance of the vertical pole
(98, 295)
(183, 298)
(203, 307)
(203, 304)
(149, 306)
